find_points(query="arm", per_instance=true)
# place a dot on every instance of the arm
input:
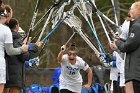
(34, 49)
(27, 55)
(89, 74)
(60, 55)
(8, 44)
(10, 50)
(132, 43)
(31, 51)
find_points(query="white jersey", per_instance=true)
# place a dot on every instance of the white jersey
(120, 62)
(117, 71)
(5, 37)
(124, 35)
(125, 29)
(70, 77)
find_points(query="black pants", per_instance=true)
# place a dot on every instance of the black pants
(136, 86)
(117, 88)
(66, 91)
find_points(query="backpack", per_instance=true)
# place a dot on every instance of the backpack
(97, 76)
(96, 88)
(89, 90)
(97, 80)
(34, 88)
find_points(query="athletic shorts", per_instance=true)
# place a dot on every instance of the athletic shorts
(2, 76)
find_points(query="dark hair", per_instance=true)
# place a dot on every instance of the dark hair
(12, 23)
(72, 47)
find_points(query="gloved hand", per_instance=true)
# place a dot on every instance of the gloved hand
(32, 62)
(63, 48)
(110, 61)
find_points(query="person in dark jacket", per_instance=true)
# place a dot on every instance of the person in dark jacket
(15, 64)
(132, 48)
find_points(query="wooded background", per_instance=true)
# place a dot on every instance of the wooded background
(23, 11)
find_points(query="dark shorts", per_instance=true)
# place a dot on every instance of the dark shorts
(66, 91)
(117, 88)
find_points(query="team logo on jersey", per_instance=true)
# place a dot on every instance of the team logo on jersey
(132, 35)
(72, 71)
